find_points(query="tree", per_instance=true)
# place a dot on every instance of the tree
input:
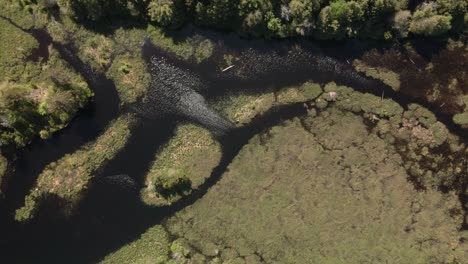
(94, 10)
(427, 22)
(301, 13)
(458, 9)
(167, 13)
(217, 13)
(253, 14)
(341, 19)
(401, 22)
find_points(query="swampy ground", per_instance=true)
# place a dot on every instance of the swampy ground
(333, 185)
(130, 141)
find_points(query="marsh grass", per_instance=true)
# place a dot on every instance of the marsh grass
(69, 177)
(181, 165)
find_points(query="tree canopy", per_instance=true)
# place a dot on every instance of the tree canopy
(335, 19)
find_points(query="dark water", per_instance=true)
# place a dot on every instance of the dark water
(111, 216)
(89, 123)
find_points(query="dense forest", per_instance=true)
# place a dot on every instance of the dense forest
(320, 19)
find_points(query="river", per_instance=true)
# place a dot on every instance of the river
(110, 216)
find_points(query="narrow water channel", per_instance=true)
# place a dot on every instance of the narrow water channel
(110, 217)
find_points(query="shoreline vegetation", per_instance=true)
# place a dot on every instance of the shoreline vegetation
(40, 94)
(38, 105)
(425, 155)
(180, 166)
(334, 20)
(440, 81)
(65, 181)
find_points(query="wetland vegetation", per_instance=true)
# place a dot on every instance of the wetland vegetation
(234, 131)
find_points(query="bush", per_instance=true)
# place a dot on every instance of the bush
(174, 184)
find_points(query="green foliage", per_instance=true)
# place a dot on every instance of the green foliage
(388, 35)
(203, 50)
(285, 197)
(94, 10)
(217, 13)
(339, 19)
(299, 14)
(421, 114)
(30, 110)
(458, 10)
(254, 15)
(97, 51)
(68, 178)
(191, 150)
(16, 47)
(130, 76)
(166, 13)
(174, 184)
(427, 22)
(401, 22)
(311, 90)
(18, 115)
(336, 19)
(461, 119)
(196, 48)
(36, 97)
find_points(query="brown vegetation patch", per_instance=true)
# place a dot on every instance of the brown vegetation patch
(441, 81)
